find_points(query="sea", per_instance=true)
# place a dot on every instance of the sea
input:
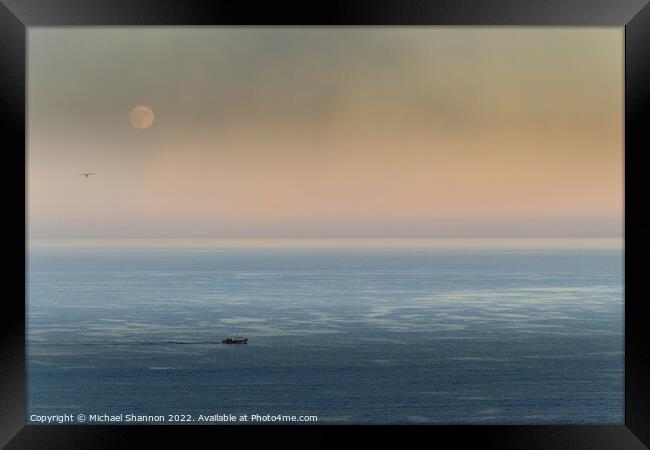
(524, 331)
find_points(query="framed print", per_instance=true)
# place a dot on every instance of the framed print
(403, 220)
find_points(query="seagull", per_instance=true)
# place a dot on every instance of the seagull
(87, 174)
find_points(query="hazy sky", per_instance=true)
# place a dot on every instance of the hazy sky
(326, 132)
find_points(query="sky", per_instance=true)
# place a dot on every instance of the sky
(325, 132)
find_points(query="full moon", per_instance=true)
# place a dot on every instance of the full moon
(141, 117)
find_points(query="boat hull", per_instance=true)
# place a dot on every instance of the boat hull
(235, 341)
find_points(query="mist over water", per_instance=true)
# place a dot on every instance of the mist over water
(375, 334)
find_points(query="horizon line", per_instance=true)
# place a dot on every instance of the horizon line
(534, 242)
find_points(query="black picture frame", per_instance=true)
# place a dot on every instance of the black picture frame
(633, 15)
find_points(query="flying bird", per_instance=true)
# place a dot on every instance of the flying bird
(87, 174)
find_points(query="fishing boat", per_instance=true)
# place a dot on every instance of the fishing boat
(235, 340)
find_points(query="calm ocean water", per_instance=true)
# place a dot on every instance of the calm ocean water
(450, 334)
